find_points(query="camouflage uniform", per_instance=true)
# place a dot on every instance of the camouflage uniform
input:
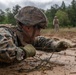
(56, 23)
(52, 44)
(12, 46)
(11, 49)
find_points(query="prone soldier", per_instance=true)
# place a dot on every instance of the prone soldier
(20, 42)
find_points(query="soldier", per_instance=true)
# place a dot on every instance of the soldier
(18, 43)
(56, 23)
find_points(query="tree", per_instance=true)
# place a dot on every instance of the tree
(72, 13)
(73, 4)
(54, 9)
(9, 16)
(15, 9)
(2, 16)
(63, 18)
(50, 13)
(63, 6)
(14, 12)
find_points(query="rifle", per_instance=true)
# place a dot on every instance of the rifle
(45, 49)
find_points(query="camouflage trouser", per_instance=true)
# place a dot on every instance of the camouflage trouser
(56, 27)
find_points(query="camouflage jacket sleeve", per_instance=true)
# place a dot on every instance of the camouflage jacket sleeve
(8, 50)
(52, 44)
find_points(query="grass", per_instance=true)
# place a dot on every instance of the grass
(49, 30)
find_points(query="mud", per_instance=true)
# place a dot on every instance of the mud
(61, 63)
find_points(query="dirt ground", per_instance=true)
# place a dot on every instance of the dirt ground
(61, 63)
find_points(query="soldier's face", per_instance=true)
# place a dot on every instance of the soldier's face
(32, 31)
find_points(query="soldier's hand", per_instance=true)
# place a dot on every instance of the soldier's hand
(29, 50)
(62, 45)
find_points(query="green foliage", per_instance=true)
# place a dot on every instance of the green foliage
(15, 9)
(73, 4)
(66, 14)
(50, 25)
(2, 16)
(72, 13)
(63, 6)
(63, 18)
(9, 19)
(50, 13)
(8, 16)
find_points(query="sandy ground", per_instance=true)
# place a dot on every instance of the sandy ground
(61, 63)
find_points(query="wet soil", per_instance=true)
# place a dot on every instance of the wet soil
(61, 63)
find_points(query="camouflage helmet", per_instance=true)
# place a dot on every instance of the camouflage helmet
(30, 16)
